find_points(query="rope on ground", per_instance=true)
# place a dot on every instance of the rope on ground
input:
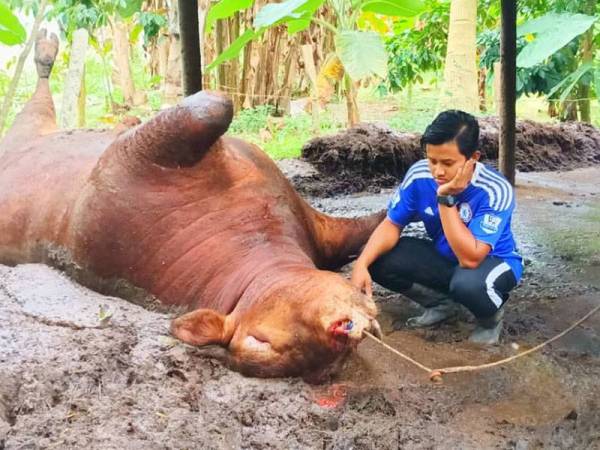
(436, 374)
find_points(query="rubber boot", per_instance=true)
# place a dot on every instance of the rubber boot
(444, 310)
(488, 330)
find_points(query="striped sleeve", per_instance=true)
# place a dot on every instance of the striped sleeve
(403, 205)
(500, 192)
(492, 217)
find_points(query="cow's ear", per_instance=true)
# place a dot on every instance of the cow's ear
(202, 327)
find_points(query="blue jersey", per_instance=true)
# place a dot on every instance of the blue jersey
(485, 206)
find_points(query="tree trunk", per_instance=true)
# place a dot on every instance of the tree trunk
(162, 50)
(311, 72)
(122, 67)
(497, 87)
(351, 103)
(10, 92)
(288, 78)
(508, 58)
(587, 56)
(481, 77)
(81, 102)
(233, 68)
(221, 43)
(460, 71)
(190, 46)
(173, 78)
(247, 72)
(72, 89)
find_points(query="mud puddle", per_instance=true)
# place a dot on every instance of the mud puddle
(68, 382)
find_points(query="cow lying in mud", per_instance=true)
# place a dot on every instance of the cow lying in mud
(192, 218)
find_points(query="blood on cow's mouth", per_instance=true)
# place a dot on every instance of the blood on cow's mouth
(340, 332)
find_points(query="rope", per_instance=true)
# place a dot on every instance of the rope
(436, 374)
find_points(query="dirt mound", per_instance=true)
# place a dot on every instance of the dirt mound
(369, 157)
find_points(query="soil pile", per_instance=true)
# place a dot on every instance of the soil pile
(369, 157)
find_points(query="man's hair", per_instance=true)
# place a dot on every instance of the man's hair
(453, 125)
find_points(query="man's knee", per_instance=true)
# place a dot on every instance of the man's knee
(468, 288)
(378, 268)
(385, 272)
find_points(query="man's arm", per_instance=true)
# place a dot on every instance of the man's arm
(383, 239)
(469, 251)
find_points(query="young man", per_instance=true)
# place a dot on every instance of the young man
(466, 208)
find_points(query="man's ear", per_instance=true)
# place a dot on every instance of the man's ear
(476, 155)
(202, 327)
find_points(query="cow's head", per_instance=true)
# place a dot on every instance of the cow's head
(303, 327)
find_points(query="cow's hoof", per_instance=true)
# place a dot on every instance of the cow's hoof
(46, 49)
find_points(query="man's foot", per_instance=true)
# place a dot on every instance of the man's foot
(444, 310)
(488, 330)
(46, 49)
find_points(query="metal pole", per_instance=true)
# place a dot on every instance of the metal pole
(190, 46)
(508, 80)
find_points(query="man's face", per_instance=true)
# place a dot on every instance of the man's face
(445, 160)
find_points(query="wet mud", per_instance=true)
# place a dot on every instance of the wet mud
(369, 157)
(69, 379)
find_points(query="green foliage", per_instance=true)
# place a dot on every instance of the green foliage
(362, 53)
(224, 9)
(568, 84)
(151, 24)
(306, 11)
(251, 120)
(404, 8)
(535, 80)
(298, 14)
(11, 30)
(552, 32)
(417, 47)
(279, 137)
(235, 48)
(127, 8)
(274, 13)
(92, 14)
(74, 14)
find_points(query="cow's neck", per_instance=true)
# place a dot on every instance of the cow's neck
(289, 266)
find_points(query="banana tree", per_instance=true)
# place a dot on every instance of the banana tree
(361, 53)
(545, 41)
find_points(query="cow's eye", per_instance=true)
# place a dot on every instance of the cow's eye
(252, 343)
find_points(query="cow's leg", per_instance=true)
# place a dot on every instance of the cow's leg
(38, 116)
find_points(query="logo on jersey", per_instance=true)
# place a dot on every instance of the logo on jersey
(464, 210)
(490, 223)
(429, 211)
(395, 199)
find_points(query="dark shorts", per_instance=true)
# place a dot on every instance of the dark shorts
(483, 290)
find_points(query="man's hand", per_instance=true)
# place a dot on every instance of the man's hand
(460, 181)
(362, 279)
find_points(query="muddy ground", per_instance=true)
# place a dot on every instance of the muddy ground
(370, 156)
(68, 382)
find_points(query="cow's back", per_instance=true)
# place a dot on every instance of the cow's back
(39, 183)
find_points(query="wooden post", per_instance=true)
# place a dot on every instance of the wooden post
(311, 72)
(508, 89)
(190, 46)
(73, 80)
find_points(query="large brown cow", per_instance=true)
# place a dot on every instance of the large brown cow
(172, 208)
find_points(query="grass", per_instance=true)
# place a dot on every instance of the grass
(280, 137)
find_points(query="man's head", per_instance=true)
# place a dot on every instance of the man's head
(449, 141)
